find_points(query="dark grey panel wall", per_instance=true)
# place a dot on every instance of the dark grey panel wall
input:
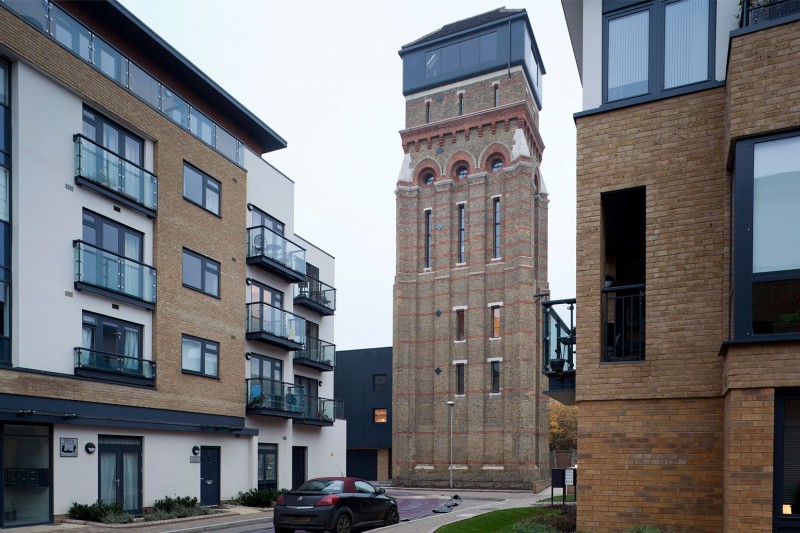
(353, 383)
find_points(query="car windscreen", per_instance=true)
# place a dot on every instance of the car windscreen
(322, 485)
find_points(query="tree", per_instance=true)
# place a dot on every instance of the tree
(563, 426)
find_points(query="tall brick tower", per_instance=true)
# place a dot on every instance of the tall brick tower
(471, 258)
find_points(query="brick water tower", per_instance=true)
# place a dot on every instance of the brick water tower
(471, 259)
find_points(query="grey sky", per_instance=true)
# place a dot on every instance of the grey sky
(325, 75)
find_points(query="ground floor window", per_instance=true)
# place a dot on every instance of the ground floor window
(267, 466)
(25, 460)
(121, 472)
(787, 459)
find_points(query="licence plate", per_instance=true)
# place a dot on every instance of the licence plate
(299, 519)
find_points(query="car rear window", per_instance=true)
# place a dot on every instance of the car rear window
(323, 485)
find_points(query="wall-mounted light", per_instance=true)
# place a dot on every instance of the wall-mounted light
(196, 450)
(320, 384)
(248, 356)
(90, 447)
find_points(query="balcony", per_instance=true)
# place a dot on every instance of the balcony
(761, 11)
(273, 325)
(623, 323)
(114, 367)
(114, 276)
(320, 411)
(317, 354)
(113, 176)
(274, 398)
(278, 255)
(558, 350)
(316, 296)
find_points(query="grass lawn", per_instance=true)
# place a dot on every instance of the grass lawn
(496, 521)
(557, 499)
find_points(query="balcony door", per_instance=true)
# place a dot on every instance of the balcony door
(310, 400)
(105, 339)
(119, 142)
(272, 317)
(267, 466)
(121, 472)
(109, 269)
(269, 372)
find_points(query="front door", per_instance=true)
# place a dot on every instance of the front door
(299, 473)
(209, 476)
(121, 472)
(267, 466)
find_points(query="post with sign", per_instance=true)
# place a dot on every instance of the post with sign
(558, 482)
(571, 478)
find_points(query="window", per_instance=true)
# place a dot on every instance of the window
(460, 326)
(111, 236)
(427, 112)
(496, 228)
(260, 218)
(112, 137)
(200, 273)
(497, 165)
(494, 312)
(766, 243)
(427, 239)
(460, 378)
(495, 368)
(201, 189)
(380, 382)
(461, 104)
(380, 416)
(461, 172)
(787, 458)
(461, 230)
(262, 367)
(428, 178)
(656, 46)
(462, 55)
(199, 356)
(496, 98)
(112, 336)
(260, 293)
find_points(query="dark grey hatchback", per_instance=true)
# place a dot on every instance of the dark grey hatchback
(336, 504)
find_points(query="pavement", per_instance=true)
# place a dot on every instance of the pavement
(415, 505)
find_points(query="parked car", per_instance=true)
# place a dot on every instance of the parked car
(335, 504)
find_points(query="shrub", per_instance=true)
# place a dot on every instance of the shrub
(531, 527)
(114, 517)
(565, 522)
(258, 498)
(170, 507)
(169, 504)
(98, 511)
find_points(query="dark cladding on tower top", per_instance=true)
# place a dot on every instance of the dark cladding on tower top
(489, 42)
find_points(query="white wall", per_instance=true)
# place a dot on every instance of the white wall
(327, 448)
(46, 218)
(166, 470)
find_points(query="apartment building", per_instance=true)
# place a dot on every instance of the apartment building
(471, 259)
(687, 297)
(147, 315)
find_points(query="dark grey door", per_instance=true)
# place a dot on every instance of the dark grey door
(120, 471)
(363, 464)
(209, 475)
(299, 474)
(268, 466)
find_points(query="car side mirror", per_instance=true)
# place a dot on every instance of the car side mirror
(381, 490)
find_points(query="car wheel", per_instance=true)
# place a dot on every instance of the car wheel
(392, 516)
(343, 524)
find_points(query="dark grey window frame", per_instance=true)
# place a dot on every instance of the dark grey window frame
(273, 223)
(380, 382)
(277, 367)
(460, 375)
(742, 189)
(782, 522)
(496, 228)
(276, 299)
(100, 122)
(122, 228)
(615, 9)
(461, 103)
(461, 325)
(428, 238)
(494, 367)
(207, 183)
(99, 320)
(204, 264)
(204, 349)
(462, 258)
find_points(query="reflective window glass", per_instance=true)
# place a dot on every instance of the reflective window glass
(686, 43)
(628, 51)
(144, 85)
(433, 64)
(488, 47)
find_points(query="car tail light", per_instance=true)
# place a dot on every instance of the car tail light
(330, 499)
(280, 501)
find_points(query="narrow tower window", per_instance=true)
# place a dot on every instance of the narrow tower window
(496, 95)
(495, 311)
(427, 112)
(427, 239)
(460, 329)
(495, 376)
(461, 224)
(496, 248)
(461, 104)
(460, 379)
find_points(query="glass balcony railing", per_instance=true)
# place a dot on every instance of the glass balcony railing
(315, 295)
(290, 259)
(95, 361)
(759, 11)
(78, 39)
(114, 173)
(114, 275)
(622, 311)
(275, 326)
(274, 395)
(324, 410)
(318, 353)
(558, 335)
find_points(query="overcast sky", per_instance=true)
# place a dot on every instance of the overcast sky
(325, 75)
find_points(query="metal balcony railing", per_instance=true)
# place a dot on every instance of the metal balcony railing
(114, 363)
(315, 295)
(558, 336)
(318, 352)
(114, 275)
(287, 256)
(322, 409)
(274, 395)
(266, 319)
(124, 179)
(622, 312)
(760, 11)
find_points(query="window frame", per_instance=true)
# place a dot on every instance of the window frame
(121, 325)
(428, 238)
(204, 185)
(375, 414)
(267, 220)
(616, 9)
(377, 384)
(276, 296)
(461, 325)
(496, 220)
(495, 325)
(460, 370)
(100, 122)
(204, 345)
(204, 264)
(742, 275)
(97, 226)
(462, 256)
(494, 369)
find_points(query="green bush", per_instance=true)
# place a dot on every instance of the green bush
(114, 517)
(170, 507)
(564, 522)
(98, 512)
(258, 498)
(169, 504)
(531, 527)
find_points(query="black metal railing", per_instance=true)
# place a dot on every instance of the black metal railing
(317, 292)
(760, 11)
(322, 409)
(114, 363)
(558, 336)
(263, 242)
(266, 318)
(318, 351)
(275, 395)
(623, 323)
